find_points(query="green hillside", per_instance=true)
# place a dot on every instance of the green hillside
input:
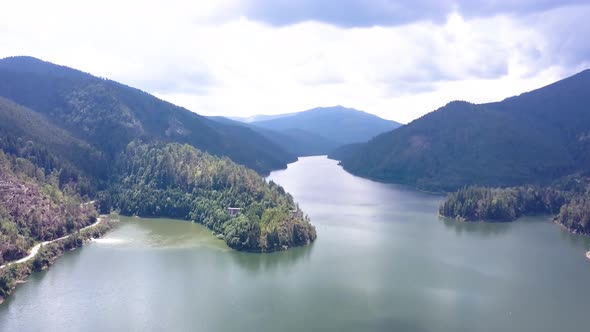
(534, 138)
(179, 181)
(109, 114)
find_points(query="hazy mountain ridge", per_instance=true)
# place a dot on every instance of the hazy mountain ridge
(339, 124)
(318, 131)
(259, 117)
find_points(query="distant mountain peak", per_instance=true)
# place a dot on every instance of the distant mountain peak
(342, 125)
(337, 108)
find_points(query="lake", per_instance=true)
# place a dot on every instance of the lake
(383, 261)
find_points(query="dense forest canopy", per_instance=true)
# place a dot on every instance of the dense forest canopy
(179, 181)
(534, 138)
(27, 134)
(568, 199)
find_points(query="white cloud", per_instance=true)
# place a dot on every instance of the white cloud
(207, 58)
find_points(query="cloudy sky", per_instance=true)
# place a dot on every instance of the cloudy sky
(396, 59)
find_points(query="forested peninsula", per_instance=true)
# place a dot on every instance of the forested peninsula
(179, 181)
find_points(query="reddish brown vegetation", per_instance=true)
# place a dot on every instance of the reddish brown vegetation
(35, 211)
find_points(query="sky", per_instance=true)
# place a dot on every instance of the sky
(396, 59)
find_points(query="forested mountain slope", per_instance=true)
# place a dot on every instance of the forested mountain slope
(29, 135)
(46, 173)
(109, 115)
(34, 208)
(534, 138)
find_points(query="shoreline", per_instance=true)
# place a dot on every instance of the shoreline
(16, 272)
(35, 249)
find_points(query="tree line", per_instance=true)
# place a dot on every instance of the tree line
(568, 199)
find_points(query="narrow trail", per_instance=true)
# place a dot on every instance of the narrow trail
(35, 249)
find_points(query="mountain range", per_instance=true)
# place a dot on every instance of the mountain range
(317, 131)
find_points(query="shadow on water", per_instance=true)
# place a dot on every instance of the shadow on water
(486, 229)
(257, 262)
(577, 240)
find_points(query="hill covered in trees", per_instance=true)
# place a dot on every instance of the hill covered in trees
(109, 115)
(568, 199)
(534, 138)
(42, 187)
(179, 181)
(28, 135)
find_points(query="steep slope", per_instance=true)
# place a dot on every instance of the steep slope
(34, 208)
(64, 154)
(337, 124)
(533, 138)
(29, 135)
(41, 188)
(45, 172)
(110, 115)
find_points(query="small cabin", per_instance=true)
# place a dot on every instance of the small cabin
(232, 211)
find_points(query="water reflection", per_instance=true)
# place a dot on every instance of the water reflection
(577, 240)
(257, 263)
(486, 229)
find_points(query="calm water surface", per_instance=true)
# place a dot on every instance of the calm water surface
(383, 261)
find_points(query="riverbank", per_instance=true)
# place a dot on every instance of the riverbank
(44, 254)
(36, 248)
